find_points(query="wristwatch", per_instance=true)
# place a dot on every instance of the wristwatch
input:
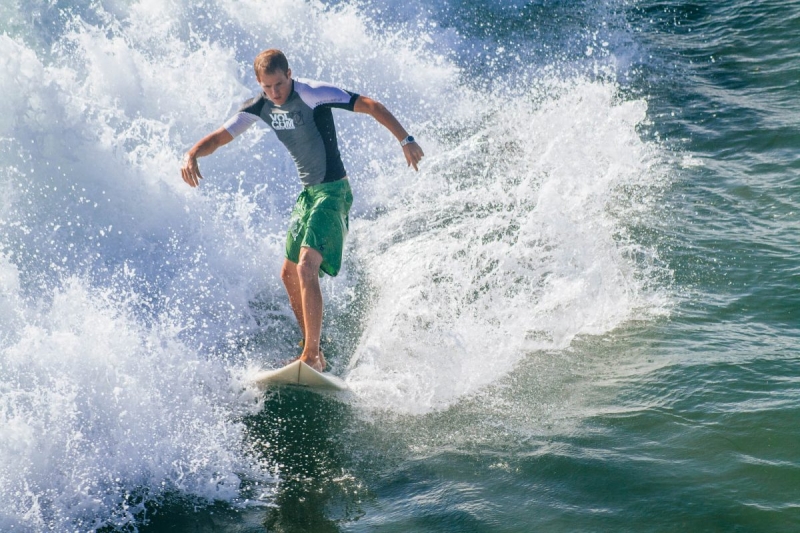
(407, 140)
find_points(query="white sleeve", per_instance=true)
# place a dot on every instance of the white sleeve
(316, 93)
(238, 123)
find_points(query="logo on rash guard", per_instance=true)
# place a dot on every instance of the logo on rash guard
(282, 121)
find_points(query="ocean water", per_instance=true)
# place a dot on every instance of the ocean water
(582, 314)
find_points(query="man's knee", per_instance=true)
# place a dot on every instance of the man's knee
(308, 266)
(307, 272)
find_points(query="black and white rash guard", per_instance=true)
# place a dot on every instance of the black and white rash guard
(304, 124)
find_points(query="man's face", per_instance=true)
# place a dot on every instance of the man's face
(277, 86)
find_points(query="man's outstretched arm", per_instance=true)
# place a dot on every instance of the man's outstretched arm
(376, 110)
(190, 171)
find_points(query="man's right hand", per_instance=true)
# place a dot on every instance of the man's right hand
(190, 171)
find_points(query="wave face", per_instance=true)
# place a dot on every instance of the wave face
(133, 307)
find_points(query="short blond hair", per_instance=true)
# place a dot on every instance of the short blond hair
(270, 61)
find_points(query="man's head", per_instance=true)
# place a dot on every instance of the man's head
(274, 75)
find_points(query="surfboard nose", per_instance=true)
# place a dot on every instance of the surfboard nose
(299, 373)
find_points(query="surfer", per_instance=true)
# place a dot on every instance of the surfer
(299, 111)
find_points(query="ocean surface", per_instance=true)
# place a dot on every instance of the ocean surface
(582, 314)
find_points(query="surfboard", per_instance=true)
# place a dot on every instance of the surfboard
(299, 373)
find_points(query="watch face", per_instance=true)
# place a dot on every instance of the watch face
(409, 139)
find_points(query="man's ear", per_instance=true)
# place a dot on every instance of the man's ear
(289, 73)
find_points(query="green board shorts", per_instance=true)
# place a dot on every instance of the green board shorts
(320, 220)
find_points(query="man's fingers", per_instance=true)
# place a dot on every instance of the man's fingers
(413, 155)
(191, 173)
(418, 155)
(185, 176)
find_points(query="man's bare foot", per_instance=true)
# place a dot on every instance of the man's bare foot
(318, 363)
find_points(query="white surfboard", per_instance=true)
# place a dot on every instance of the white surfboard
(299, 373)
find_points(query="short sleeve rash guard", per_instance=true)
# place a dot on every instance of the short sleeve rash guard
(304, 124)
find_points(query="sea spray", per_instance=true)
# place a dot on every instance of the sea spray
(101, 416)
(506, 243)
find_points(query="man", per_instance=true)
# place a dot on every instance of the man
(300, 113)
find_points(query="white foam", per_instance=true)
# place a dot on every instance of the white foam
(116, 280)
(511, 240)
(100, 415)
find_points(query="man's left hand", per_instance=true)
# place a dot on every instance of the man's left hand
(413, 154)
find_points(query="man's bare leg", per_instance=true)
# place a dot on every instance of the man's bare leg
(291, 280)
(311, 297)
